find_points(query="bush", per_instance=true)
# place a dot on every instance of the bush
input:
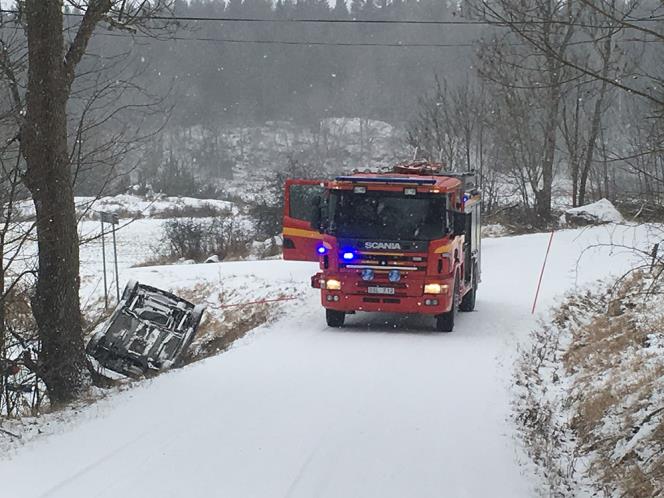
(267, 218)
(190, 238)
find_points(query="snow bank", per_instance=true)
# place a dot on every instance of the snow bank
(596, 213)
(133, 206)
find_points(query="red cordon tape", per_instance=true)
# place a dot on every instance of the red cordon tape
(262, 301)
(539, 282)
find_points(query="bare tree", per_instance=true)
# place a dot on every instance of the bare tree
(540, 23)
(48, 176)
(446, 124)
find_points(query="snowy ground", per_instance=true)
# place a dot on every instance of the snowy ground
(382, 408)
(133, 206)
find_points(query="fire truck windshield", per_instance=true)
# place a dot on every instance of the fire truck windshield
(387, 215)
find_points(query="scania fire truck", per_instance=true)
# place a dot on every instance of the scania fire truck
(402, 241)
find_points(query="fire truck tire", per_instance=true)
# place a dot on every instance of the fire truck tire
(335, 318)
(445, 321)
(468, 301)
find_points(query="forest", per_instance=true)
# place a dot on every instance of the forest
(544, 100)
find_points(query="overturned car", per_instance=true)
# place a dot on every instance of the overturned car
(149, 331)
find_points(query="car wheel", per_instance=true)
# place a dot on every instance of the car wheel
(129, 289)
(196, 315)
(92, 344)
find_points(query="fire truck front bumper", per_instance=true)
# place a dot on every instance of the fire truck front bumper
(339, 300)
(429, 305)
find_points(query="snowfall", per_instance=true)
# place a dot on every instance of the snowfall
(384, 407)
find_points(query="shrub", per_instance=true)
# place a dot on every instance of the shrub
(190, 238)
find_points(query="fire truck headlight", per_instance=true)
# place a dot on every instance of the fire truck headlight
(435, 288)
(367, 274)
(333, 284)
(394, 276)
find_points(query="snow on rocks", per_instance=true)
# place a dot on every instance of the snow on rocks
(597, 213)
(494, 230)
(266, 248)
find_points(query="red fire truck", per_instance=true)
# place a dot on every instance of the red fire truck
(403, 241)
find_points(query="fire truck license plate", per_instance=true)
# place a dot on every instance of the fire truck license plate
(381, 290)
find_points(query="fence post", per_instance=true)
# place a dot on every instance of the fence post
(539, 282)
(103, 259)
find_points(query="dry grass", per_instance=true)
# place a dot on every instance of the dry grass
(218, 333)
(221, 327)
(593, 389)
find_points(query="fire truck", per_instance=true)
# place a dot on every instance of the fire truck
(405, 240)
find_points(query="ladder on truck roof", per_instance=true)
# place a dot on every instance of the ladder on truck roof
(429, 168)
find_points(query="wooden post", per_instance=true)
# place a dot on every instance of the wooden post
(539, 282)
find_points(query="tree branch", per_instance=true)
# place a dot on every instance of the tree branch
(93, 15)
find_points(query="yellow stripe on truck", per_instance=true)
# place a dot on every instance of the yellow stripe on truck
(442, 249)
(301, 232)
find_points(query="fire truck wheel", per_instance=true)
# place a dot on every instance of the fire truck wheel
(468, 301)
(445, 321)
(335, 318)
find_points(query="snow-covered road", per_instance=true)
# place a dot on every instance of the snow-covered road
(382, 408)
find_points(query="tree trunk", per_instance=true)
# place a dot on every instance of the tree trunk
(3, 344)
(595, 124)
(543, 196)
(55, 305)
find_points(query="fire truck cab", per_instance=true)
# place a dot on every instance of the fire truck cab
(403, 241)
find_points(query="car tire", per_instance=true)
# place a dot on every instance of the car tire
(129, 289)
(197, 315)
(91, 348)
(335, 318)
(194, 322)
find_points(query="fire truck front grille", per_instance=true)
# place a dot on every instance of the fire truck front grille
(396, 285)
(387, 300)
(403, 258)
(387, 261)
